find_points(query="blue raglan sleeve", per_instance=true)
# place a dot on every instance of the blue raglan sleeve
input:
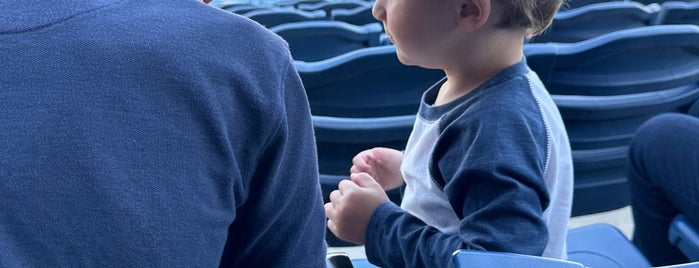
(491, 169)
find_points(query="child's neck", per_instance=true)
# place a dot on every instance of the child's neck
(479, 66)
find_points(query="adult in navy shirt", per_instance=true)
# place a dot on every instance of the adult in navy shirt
(152, 134)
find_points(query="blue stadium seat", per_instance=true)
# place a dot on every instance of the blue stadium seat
(319, 40)
(596, 245)
(685, 236)
(484, 259)
(600, 180)
(593, 20)
(340, 139)
(297, 3)
(274, 16)
(648, 2)
(603, 245)
(242, 8)
(368, 82)
(328, 7)
(608, 121)
(572, 4)
(359, 15)
(683, 265)
(628, 61)
(678, 12)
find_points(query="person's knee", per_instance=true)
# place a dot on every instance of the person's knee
(651, 138)
(659, 128)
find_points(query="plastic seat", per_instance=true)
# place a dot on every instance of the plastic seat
(603, 245)
(685, 236)
(678, 12)
(359, 15)
(319, 40)
(276, 16)
(683, 265)
(340, 139)
(585, 22)
(484, 259)
(328, 7)
(297, 3)
(572, 4)
(596, 245)
(242, 8)
(368, 82)
(629, 61)
(608, 121)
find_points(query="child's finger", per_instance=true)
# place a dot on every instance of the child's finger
(331, 226)
(364, 180)
(330, 210)
(334, 197)
(346, 185)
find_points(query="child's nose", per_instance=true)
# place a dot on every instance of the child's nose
(378, 10)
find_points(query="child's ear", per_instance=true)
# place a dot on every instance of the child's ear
(473, 14)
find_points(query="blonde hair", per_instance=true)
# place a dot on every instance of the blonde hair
(533, 15)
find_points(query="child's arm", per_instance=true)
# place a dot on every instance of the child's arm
(500, 216)
(495, 187)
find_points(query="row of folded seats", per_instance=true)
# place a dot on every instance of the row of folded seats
(596, 13)
(314, 37)
(588, 21)
(357, 12)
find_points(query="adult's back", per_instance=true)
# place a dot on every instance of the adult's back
(152, 133)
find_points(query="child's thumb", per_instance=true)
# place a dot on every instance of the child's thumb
(364, 180)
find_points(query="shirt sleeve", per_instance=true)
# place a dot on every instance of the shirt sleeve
(283, 221)
(491, 170)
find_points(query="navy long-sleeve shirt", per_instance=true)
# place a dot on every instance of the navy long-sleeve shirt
(152, 134)
(491, 170)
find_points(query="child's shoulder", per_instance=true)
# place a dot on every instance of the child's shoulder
(508, 101)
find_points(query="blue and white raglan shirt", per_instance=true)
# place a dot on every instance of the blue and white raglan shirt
(491, 171)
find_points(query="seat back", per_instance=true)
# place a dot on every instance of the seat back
(358, 16)
(635, 60)
(297, 3)
(678, 12)
(572, 4)
(240, 8)
(368, 82)
(603, 245)
(485, 259)
(340, 139)
(585, 22)
(682, 265)
(685, 236)
(275, 16)
(319, 40)
(328, 7)
(596, 122)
